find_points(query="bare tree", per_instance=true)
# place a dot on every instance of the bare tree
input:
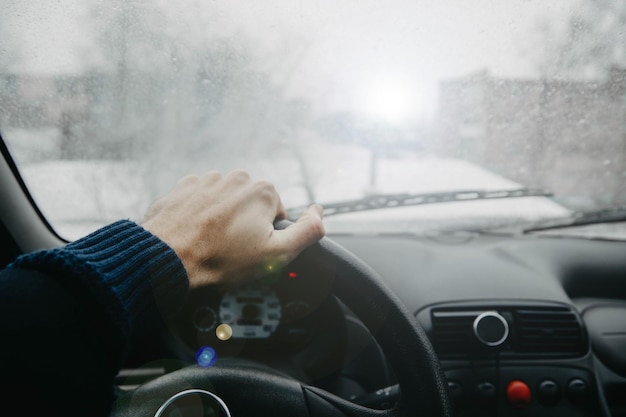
(591, 40)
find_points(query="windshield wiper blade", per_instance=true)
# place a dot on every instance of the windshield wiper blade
(382, 201)
(581, 218)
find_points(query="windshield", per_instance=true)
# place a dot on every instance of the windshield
(106, 104)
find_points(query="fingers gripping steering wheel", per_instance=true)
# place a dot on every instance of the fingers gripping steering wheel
(255, 390)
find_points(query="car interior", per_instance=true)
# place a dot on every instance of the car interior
(521, 324)
(395, 316)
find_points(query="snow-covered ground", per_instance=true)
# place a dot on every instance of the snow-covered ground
(79, 196)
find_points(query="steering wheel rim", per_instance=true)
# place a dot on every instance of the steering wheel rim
(254, 389)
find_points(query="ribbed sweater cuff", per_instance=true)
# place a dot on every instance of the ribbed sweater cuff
(134, 275)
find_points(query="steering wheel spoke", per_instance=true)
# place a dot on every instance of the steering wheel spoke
(322, 403)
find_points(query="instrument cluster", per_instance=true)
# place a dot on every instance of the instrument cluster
(283, 312)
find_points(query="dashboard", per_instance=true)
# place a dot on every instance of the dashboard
(522, 325)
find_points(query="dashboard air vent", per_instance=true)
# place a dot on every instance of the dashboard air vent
(548, 331)
(520, 331)
(453, 330)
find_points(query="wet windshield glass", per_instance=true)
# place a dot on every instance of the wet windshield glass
(105, 104)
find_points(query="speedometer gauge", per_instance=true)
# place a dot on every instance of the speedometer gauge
(252, 312)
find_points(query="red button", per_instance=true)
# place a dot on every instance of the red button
(518, 394)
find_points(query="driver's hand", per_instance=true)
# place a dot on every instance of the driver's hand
(222, 228)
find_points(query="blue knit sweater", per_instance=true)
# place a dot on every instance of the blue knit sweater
(133, 277)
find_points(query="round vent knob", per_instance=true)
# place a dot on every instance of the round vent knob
(491, 328)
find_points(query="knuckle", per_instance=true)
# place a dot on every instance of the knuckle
(188, 179)
(266, 190)
(239, 176)
(212, 176)
(210, 179)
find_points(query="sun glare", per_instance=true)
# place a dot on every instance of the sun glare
(393, 101)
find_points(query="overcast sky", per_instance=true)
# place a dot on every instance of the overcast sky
(337, 53)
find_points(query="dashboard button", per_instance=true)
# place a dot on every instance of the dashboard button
(548, 393)
(485, 393)
(577, 391)
(518, 394)
(456, 391)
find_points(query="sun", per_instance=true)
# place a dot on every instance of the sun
(391, 100)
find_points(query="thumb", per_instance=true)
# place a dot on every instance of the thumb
(305, 231)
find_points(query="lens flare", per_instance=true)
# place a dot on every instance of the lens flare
(270, 271)
(206, 356)
(224, 332)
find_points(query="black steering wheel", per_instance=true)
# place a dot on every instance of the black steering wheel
(255, 390)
